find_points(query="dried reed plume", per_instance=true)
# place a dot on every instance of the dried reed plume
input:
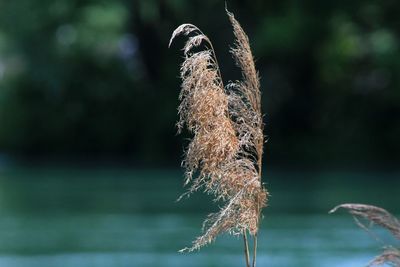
(380, 217)
(225, 153)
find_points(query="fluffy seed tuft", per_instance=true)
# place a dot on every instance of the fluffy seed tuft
(224, 155)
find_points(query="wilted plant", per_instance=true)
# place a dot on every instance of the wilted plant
(224, 157)
(379, 216)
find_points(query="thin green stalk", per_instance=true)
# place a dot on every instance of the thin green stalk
(254, 250)
(259, 163)
(246, 249)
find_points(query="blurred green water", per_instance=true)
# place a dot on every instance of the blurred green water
(120, 217)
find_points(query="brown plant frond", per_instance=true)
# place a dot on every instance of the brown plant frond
(193, 42)
(184, 29)
(250, 85)
(224, 156)
(246, 99)
(374, 214)
(389, 256)
(382, 218)
(240, 213)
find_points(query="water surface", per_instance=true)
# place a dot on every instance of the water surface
(118, 217)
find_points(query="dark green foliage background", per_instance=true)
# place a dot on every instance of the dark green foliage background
(94, 79)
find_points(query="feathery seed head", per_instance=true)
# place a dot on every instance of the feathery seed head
(224, 155)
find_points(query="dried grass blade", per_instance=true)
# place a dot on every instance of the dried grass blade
(184, 29)
(390, 256)
(245, 61)
(374, 214)
(193, 42)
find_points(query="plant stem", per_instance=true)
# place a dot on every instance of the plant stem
(259, 163)
(254, 249)
(246, 248)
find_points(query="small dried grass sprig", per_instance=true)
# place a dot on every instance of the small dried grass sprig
(381, 217)
(389, 256)
(225, 154)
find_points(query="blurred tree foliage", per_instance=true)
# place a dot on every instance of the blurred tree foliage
(95, 77)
